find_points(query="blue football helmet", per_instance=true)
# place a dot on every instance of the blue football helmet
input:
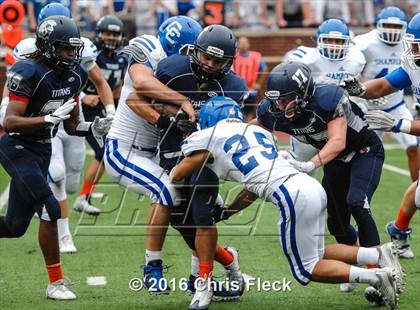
(289, 88)
(333, 39)
(53, 9)
(57, 32)
(391, 24)
(411, 43)
(217, 109)
(178, 34)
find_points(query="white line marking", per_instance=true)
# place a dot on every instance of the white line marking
(4, 197)
(397, 170)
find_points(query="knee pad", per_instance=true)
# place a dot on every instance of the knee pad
(417, 196)
(56, 171)
(59, 190)
(72, 182)
(345, 234)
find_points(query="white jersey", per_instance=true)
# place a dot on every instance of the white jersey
(329, 71)
(28, 46)
(414, 75)
(127, 126)
(381, 59)
(243, 153)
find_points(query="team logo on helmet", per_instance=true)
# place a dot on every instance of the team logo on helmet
(46, 28)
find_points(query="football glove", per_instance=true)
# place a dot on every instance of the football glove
(302, 166)
(382, 121)
(353, 86)
(100, 127)
(180, 121)
(61, 114)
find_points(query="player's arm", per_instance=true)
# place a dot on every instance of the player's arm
(378, 88)
(380, 120)
(242, 201)
(103, 89)
(189, 164)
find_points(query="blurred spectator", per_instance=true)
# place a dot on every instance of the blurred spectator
(165, 9)
(250, 14)
(413, 7)
(294, 13)
(251, 67)
(89, 13)
(363, 13)
(325, 9)
(125, 10)
(145, 17)
(35, 6)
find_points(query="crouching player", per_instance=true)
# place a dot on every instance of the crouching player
(247, 154)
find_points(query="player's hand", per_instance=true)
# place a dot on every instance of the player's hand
(3, 107)
(61, 114)
(100, 127)
(179, 120)
(378, 102)
(380, 120)
(353, 86)
(302, 166)
(189, 109)
(90, 100)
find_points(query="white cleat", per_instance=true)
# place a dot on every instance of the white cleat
(347, 287)
(82, 205)
(59, 291)
(388, 257)
(234, 273)
(406, 252)
(202, 296)
(67, 245)
(387, 286)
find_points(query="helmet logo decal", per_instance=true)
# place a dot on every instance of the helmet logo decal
(173, 32)
(215, 51)
(299, 77)
(114, 28)
(212, 94)
(46, 28)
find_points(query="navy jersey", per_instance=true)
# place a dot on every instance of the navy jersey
(327, 103)
(176, 73)
(112, 68)
(44, 90)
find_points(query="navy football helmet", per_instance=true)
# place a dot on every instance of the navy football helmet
(217, 109)
(55, 33)
(114, 25)
(289, 88)
(218, 43)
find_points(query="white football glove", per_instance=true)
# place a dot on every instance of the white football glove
(3, 107)
(382, 121)
(302, 166)
(61, 114)
(378, 102)
(100, 127)
(353, 86)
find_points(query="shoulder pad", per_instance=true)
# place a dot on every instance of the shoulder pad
(334, 94)
(90, 51)
(24, 47)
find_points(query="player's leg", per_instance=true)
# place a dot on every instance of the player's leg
(139, 171)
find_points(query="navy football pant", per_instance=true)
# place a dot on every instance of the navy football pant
(350, 187)
(27, 165)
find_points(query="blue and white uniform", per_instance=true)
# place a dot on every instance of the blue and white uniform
(247, 154)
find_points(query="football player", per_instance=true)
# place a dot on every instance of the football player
(332, 60)
(405, 75)
(43, 92)
(108, 40)
(247, 154)
(382, 48)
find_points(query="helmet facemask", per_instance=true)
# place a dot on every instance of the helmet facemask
(411, 52)
(391, 30)
(334, 45)
(110, 40)
(289, 106)
(201, 58)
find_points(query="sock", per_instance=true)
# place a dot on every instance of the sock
(362, 275)
(87, 188)
(367, 256)
(403, 220)
(206, 270)
(153, 255)
(54, 272)
(195, 266)
(223, 256)
(63, 227)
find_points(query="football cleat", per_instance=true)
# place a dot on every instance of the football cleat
(372, 295)
(347, 287)
(401, 238)
(202, 296)
(220, 293)
(388, 257)
(153, 278)
(233, 271)
(67, 245)
(82, 205)
(59, 291)
(387, 286)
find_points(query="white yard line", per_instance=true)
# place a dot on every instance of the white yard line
(397, 170)
(4, 197)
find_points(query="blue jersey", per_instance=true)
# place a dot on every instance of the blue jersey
(311, 126)
(176, 73)
(43, 89)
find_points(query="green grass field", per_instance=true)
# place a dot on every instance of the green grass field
(113, 246)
